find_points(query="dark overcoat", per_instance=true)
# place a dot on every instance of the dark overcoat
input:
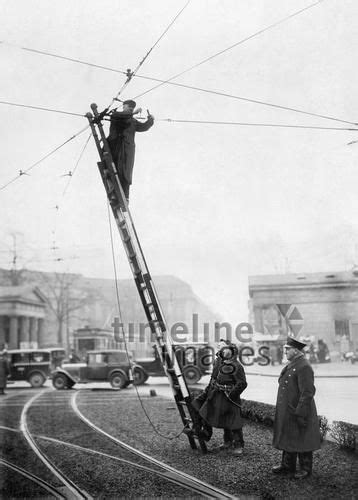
(296, 427)
(121, 140)
(221, 408)
(4, 371)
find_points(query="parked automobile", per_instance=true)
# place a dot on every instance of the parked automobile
(100, 366)
(196, 360)
(34, 365)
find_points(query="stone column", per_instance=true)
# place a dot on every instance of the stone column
(40, 332)
(25, 332)
(14, 333)
(2, 331)
(33, 333)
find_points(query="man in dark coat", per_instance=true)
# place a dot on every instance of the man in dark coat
(296, 426)
(4, 370)
(219, 403)
(121, 141)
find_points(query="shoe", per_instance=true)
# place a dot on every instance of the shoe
(239, 450)
(226, 446)
(280, 469)
(301, 474)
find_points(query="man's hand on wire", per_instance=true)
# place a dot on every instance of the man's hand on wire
(149, 115)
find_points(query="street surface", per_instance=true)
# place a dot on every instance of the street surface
(336, 397)
(336, 388)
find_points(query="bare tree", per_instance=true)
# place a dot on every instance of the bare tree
(65, 295)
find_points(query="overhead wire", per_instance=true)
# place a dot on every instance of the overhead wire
(257, 33)
(216, 122)
(77, 163)
(59, 204)
(200, 89)
(247, 124)
(41, 108)
(130, 73)
(24, 172)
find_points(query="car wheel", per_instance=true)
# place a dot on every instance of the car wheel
(36, 379)
(139, 376)
(191, 374)
(118, 380)
(60, 382)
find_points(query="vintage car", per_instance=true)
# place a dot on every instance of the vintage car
(196, 360)
(34, 365)
(100, 366)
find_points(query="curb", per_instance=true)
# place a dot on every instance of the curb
(315, 375)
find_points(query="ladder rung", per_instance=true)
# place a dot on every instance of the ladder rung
(182, 403)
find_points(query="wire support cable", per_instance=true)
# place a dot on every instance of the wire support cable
(200, 89)
(247, 124)
(40, 108)
(130, 73)
(76, 165)
(25, 172)
(124, 337)
(250, 37)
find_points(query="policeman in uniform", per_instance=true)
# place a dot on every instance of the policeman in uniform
(296, 426)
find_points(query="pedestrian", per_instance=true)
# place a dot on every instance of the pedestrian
(323, 352)
(219, 403)
(296, 427)
(121, 142)
(74, 358)
(344, 347)
(4, 370)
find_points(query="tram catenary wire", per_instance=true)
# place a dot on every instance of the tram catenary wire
(130, 73)
(219, 93)
(257, 33)
(212, 122)
(172, 120)
(22, 172)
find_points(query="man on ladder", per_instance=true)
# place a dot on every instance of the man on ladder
(121, 140)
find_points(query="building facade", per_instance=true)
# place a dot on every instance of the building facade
(319, 305)
(22, 315)
(30, 318)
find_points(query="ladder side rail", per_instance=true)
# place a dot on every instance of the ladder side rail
(168, 340)
(106, 158)
(144, 283)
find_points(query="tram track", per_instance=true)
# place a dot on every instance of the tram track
(73, 449)
(73, 490)
(24, 467)
(34, 479)
(177, 476)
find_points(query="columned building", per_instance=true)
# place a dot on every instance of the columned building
(22, 313)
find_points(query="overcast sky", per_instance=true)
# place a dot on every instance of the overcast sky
(212, 203)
